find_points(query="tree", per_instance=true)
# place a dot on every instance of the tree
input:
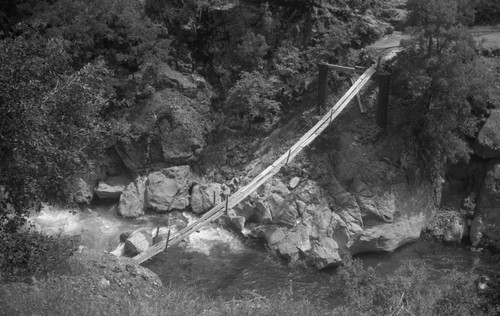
(119, 30)
(441, 81)
(50, 125)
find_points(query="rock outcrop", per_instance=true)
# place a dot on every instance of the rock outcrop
(456, 229)
(486, 223)
(170, 125)
(487, 144)
(112, 187)
(168, 189)
(356, 200)
(138, 241)
(205, 196)
(132, 199)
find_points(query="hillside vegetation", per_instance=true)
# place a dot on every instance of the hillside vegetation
(96, 88)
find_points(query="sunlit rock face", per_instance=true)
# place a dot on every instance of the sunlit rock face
(204, 197)
(486, 223)
(487, 144)
(138, 241)
(361, 201)
(132, 199)
(112, 187)
(167, 190)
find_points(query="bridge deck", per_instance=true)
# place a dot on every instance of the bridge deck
(270, 171)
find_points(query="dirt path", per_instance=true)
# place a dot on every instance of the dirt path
(487, 37)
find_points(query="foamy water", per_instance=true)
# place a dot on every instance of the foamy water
(100, 229)
(54, 220)
(211, 236)
(218, 261)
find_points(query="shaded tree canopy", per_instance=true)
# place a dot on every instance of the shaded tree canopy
(441, 81)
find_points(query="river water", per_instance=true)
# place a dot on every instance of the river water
(222, 264)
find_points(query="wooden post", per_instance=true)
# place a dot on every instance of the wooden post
(358, 98)
(322, 86)
(168, 239)
(383, 99)
(227, 202)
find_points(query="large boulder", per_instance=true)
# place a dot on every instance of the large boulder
(325, 253)
(205, 196)
(138, 241)
(487, 144)
(456, 229)
(131, 203)
(112, 187)
(170, 125)
(168, 189)
(486, 223)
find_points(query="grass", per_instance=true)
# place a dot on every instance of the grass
(59, 299)
(96, 283)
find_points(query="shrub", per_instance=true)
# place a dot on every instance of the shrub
(252, 101)
(116, 29)
(441, 82)
(26, 254)
(251, 51)
(409, 291)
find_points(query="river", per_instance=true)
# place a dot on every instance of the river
(223, 264)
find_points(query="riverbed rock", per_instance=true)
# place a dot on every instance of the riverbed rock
(456, 229)
(167, 190)
(138, 241)
(293, 182)
(80, 191)
(131, 203)
(487, 144)
(486, 223)
(325, 253)
(112, 187)
(203, 195)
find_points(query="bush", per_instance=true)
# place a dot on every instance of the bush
(252, 101)
(441, 82)
(51, 127)
(27, 254)
(115, 29)
(251, 51)
(409, 291)
(369, 293)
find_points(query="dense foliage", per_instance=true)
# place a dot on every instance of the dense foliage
(51, 125)
(487, 11)
(252, 100)
(56, 89)
(441, 81)
(25, 255)
(408, 291)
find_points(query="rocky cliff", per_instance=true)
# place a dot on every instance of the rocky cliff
(349, 194)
